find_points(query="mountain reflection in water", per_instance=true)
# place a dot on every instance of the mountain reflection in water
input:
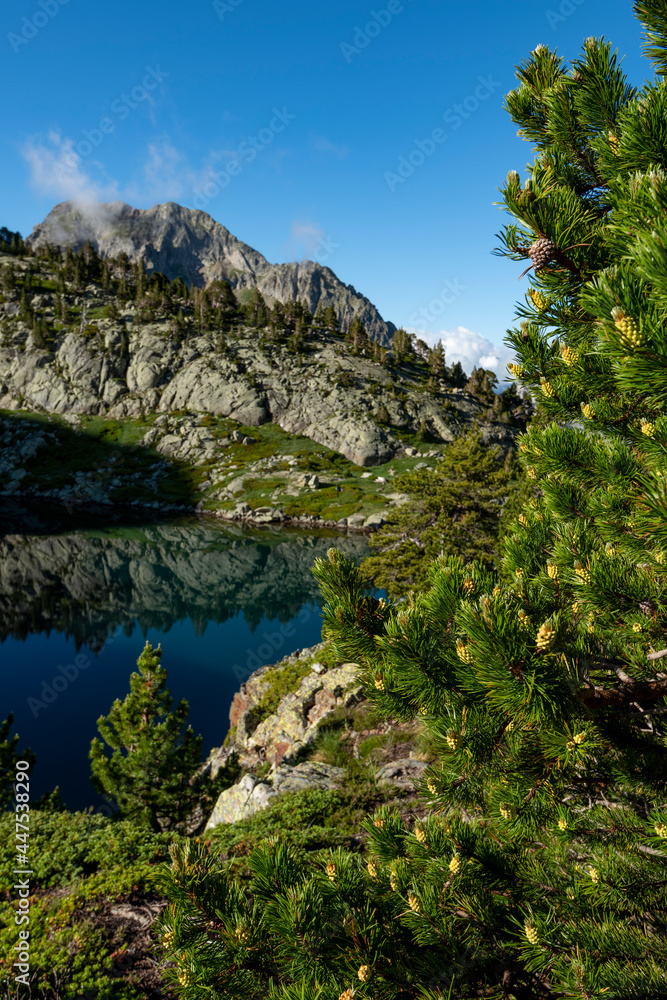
(88, 582)
(214, 595)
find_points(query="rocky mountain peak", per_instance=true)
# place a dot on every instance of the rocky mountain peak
(190, 244)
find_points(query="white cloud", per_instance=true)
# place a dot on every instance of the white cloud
(57, 168)
(306, 240)
(323, 145)
(470, 348)
(167, 173)
(68, 170)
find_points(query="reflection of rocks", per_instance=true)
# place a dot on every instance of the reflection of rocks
(85, 583)
(250, 795)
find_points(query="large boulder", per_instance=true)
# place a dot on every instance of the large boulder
(250, 794)
(404, 773)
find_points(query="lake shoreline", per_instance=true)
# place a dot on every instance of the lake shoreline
(169, 511)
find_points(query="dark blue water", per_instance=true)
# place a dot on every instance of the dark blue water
(76, 609)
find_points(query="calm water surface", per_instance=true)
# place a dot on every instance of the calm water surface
(78, 604)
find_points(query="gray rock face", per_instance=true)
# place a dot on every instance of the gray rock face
(404, 773)
(249, 795)
(120, 375)
(282, 735)
(186, 243)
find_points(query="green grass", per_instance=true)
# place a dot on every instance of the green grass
(282, 681)
(124, 433)
(366, 747)
(327, 503)
(266, 485)
(314, 819)
(105, 449)
(286, 677)
(97, 439)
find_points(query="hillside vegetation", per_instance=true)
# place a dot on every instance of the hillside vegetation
(122, 387)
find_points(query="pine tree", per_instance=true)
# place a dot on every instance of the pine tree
(539, 871)
(401, 343)
(436, 361)
(357, 337)
(92, 261)
(452, 509)
(153, 771)
(457, 376)
(11, 242)
(140, 281)
(256, 311)
(331, 320)
(481, 385)
(9, 755)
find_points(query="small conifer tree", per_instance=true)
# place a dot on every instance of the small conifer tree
(452, 509)
(9, 755)
(153, 771)
(436, 361)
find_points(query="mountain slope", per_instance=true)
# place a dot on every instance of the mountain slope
(186, 243)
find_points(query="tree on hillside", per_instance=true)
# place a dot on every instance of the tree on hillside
(452, 509)
(153, 772)
(357, 336)
(401, 345)
(436, 361)
(12, 242)
(540, 869)
(331, 319)
(457, 376)
(140, 280)
(482, 384)
(256, 310)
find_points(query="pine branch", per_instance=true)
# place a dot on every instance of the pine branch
(597, 698)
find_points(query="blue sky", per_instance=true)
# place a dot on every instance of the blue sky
(291, 124)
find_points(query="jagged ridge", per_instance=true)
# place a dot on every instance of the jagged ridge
(189, 244)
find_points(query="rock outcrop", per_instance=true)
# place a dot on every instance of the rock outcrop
(282, 735)
(189, 244)
(250, 794)
(270, 747)
(294, 724)
(329, 395)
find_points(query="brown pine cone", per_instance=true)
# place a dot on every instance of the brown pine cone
(541, 252)
(648, 607)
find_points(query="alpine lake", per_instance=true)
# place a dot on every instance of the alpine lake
(81, 593)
